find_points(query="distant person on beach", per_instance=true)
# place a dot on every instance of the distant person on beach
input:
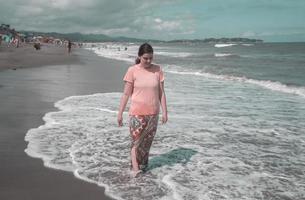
(144, 82)
(69, 46)
(17, 42)
(37, 45)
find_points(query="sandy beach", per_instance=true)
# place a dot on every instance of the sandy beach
(26, 94)
(27, 56)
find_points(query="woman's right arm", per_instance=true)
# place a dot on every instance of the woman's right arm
(128, 88)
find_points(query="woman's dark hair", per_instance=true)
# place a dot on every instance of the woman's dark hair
(144, 48)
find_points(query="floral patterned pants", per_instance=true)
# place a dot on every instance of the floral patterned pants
(142, 131)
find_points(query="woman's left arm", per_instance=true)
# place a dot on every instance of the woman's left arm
(163, 103)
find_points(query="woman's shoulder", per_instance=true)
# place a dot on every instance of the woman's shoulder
(156, 67)
(132, 68)
(134, 65)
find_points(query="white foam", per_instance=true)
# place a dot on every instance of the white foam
(222, 54)
(118, 51)
(272, 85)
(224, 45)
(174, 54)
(191, 158)
(171, 184)
(211, 148)
(247, 45)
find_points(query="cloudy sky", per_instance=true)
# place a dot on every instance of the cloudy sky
(271, 20)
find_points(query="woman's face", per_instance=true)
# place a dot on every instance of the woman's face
(146, 59)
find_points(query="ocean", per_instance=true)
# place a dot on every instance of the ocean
(236, 126)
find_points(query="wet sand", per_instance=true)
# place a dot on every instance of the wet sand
(26, 94)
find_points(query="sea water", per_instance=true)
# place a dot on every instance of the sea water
(236, 126)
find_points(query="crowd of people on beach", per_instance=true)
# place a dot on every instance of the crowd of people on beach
(9, 37)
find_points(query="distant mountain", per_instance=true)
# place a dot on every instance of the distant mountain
(79, 37)
(72, 36)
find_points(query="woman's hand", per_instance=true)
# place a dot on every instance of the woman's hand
(163, 103)
(124, 99)
(120, 120)
(164, 118)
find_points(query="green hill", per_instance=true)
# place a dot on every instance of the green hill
(79, 37)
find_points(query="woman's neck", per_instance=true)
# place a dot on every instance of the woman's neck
(144, 66)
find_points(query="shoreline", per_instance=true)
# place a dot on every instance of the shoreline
(26, 95)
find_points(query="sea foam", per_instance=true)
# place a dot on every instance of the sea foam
(223, 54)
(193, 156)
(223, 45)
(272, 85)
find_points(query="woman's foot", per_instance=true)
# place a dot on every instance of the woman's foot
(135, 174)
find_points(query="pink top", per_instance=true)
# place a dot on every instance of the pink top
(146, 83)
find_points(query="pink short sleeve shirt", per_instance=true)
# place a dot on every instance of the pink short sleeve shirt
(145, 98)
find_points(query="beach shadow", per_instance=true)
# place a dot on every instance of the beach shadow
(176, 156)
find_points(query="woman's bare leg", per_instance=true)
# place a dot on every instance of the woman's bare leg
(135, 165)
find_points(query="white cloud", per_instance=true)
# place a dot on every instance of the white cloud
(186, 32)
(25, 11)
(161, 25)
(60, 4)
(158, 20)
(112, 31)
(117, 18)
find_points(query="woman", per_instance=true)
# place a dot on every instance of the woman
(144, 82)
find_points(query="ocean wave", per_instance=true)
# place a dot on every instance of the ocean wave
(117, 51)
(112, 54)
(247, 45)
(223, 54)
(186, 160)
(231, 44)
(79, 136)
(272, 85)
(223, 45)
(174, 54)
